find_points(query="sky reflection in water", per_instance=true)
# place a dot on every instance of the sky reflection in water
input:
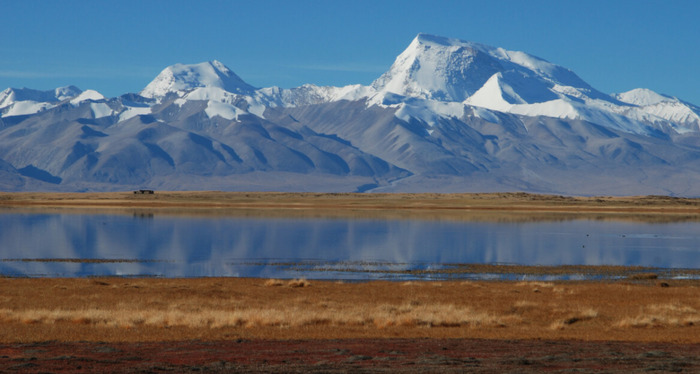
(178, 246)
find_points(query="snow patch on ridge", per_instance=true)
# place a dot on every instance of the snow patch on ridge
(485, 114)
(21, 108)
(132, 112)
(429, 111)
(101, 110)
(87, 95)
(223, 110)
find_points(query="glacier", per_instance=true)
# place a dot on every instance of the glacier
(447, 116)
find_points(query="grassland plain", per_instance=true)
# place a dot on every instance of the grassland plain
(258, 325)
(118, 309)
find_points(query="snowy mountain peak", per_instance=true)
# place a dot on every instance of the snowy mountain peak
(67, 92)
(642, 97)
(452, 70)
(438, 68)
(181, 78)
(685, 117)
(87, 95)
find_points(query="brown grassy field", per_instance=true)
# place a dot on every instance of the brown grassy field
(124, 310)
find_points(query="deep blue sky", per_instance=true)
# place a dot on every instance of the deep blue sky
(119, 46)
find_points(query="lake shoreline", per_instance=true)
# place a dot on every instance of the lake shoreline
(513, 202)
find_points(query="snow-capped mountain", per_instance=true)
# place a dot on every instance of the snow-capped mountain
(180, 79)
(23, 101)
(453, 71)
(685, 117)
(446, 69)
(448, 115)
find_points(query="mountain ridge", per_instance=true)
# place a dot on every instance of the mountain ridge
(448, 115)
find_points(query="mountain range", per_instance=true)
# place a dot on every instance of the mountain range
(448, 116)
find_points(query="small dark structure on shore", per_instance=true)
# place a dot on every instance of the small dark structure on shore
(144, 192)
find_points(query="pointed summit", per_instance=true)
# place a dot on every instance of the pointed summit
(181, 78)
(642, 97)
(685, 116)
(447, 69)
(438, 68)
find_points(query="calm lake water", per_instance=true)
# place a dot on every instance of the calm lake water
(70, 244)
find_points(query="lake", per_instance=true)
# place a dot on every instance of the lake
(70, 244)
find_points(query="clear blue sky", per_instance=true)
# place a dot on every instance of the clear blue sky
(119, 46)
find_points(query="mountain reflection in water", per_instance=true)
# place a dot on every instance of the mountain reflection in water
(147, 244)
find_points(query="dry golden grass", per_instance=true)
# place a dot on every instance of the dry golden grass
(273, 283)
(574, 317)
(298, 283)
(294, 283)
(381, 315)
(221, 308)
(663, 315)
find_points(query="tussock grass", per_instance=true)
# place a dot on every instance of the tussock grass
(295, 283)
(663, 315)
(581, 315)
(273, 283)
(535, 284)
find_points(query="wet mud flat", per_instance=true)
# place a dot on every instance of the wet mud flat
(351, 355)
